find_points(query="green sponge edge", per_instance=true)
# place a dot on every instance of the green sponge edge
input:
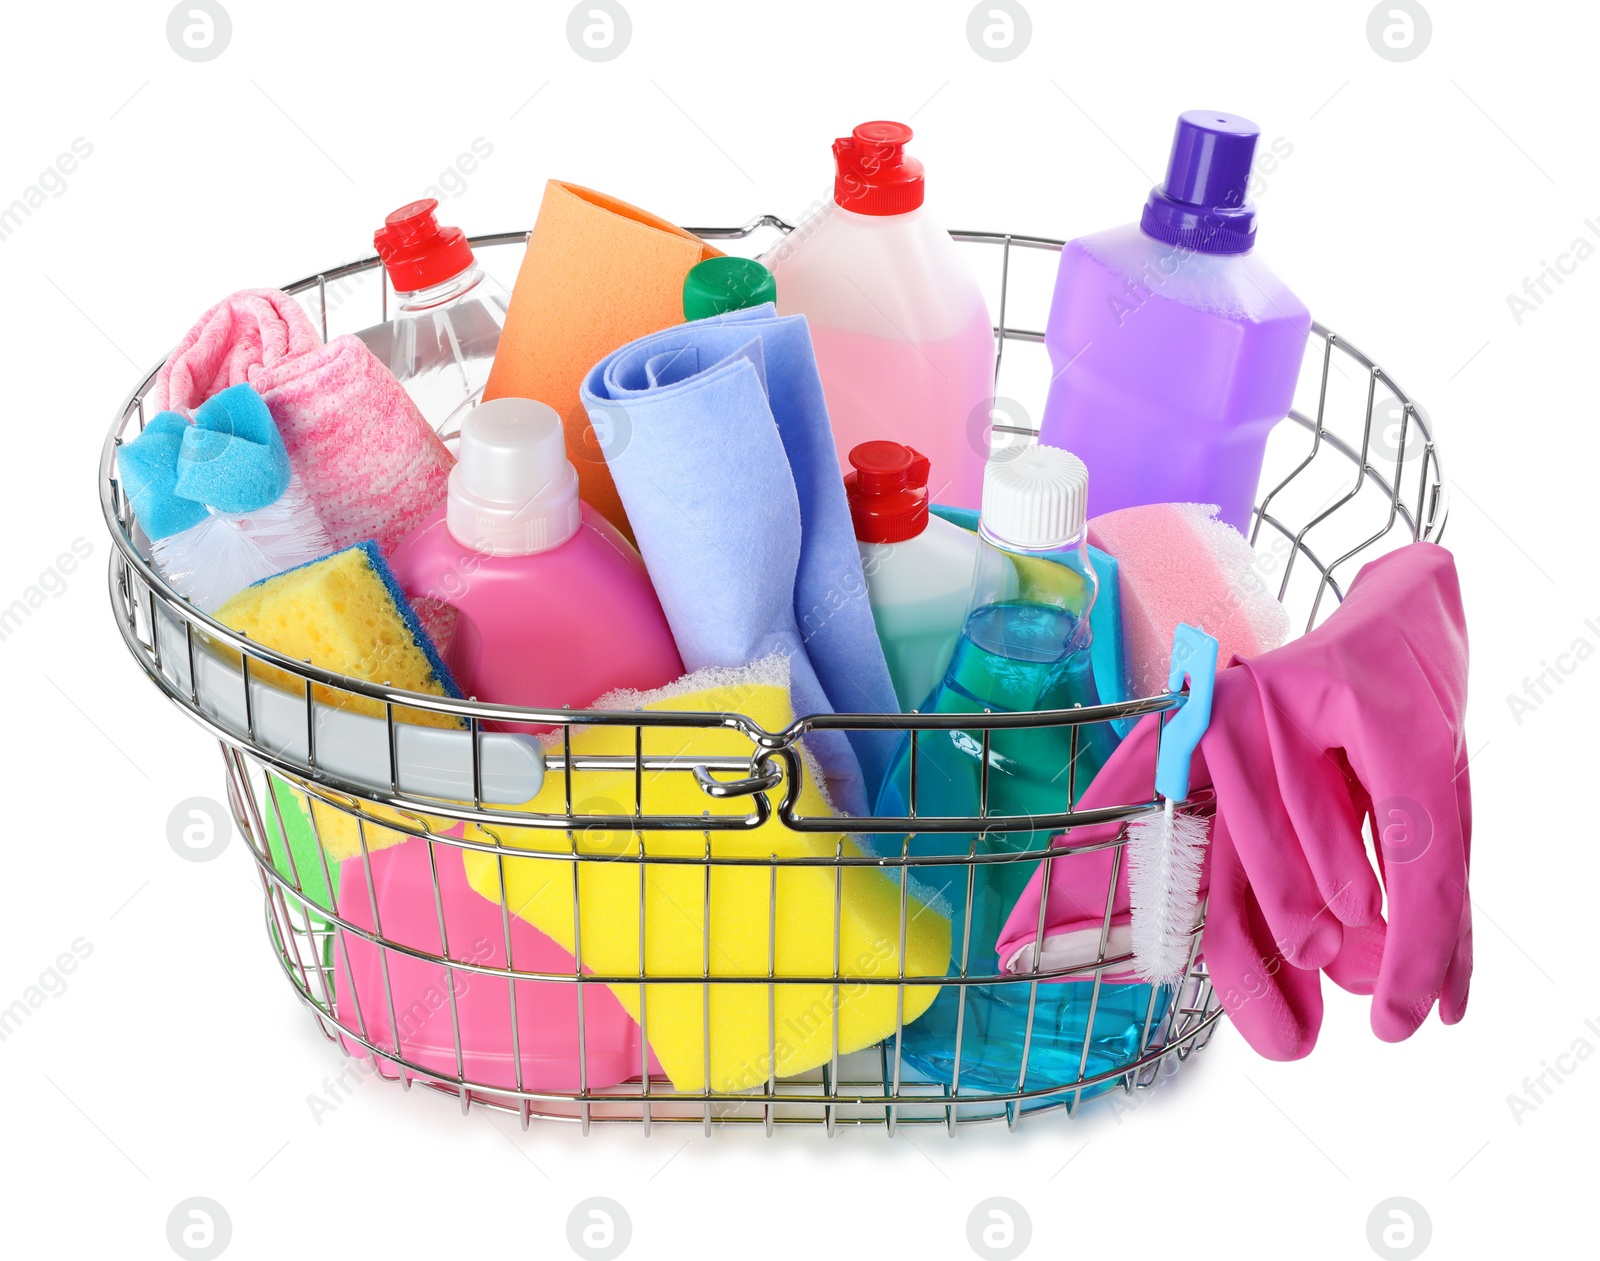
(295, 856)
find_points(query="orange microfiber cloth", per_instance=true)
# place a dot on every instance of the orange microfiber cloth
(598, 274)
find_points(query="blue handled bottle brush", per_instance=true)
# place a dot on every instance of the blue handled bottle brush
(1167, 850)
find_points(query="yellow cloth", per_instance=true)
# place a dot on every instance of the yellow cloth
(598, 273)
(675, 897)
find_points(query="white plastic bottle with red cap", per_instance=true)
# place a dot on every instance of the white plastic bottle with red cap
(904, 343)
(918, 566)
(448, 314)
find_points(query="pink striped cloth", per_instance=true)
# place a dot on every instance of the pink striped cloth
(371, 464)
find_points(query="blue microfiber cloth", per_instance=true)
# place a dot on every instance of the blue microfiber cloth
(717, 436)
(231, 459)
(1105, 619)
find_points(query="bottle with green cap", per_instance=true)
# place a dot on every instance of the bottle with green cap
(718, 285)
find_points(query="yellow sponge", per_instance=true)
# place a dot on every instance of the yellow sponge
(345, 613)
(677, 942)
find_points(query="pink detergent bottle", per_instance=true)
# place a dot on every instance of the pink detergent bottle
(904, 345)
(551, 605)
(1175, 348)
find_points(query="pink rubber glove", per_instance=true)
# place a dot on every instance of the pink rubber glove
(1383, 685)
(1379, 692)
(1248, 948)
(1306, 893)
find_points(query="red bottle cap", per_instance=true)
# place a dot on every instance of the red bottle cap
(888, 492)
(875, 177)
(418, 253)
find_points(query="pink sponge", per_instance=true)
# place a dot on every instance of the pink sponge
(1178, 563)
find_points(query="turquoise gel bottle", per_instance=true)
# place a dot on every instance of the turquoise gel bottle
(1024, 646)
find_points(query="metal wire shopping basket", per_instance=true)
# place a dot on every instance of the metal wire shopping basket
(1352, 473)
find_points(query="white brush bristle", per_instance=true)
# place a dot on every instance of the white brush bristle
(1165, 854)
(227, 552)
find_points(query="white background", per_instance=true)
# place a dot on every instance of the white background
(1419, 195)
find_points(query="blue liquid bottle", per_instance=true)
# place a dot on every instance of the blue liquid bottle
(1024, 646)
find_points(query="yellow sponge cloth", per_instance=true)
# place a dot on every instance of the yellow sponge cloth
(344, 613)
(724, 924)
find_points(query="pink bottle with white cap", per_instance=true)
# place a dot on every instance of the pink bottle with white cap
(552, 605)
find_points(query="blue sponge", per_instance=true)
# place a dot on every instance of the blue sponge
(149, 469)
(231, 459)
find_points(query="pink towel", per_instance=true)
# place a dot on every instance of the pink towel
(372, 466)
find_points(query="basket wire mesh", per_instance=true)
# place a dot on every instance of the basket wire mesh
(1352, 473)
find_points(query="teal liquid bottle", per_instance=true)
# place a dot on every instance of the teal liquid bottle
(1024, 646)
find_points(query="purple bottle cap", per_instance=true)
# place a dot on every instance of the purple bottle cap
(1204, 203)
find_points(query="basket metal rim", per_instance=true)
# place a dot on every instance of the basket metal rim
(647, 1103)
(476, 712)
(1192, 1039)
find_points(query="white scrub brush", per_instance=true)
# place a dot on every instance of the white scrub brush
(1166, 851)
(228, 551)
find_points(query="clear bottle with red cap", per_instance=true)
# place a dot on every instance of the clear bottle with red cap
(448, 315)
(904, 342)
(918, 566)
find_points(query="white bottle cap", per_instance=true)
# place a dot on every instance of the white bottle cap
(1034, 497)
(513, 491)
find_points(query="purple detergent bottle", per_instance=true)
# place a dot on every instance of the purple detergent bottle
(1175, 348)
